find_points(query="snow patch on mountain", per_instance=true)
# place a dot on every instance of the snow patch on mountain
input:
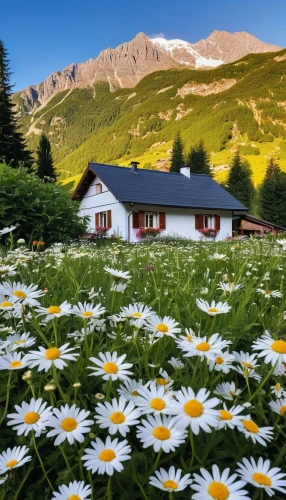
(176, 44)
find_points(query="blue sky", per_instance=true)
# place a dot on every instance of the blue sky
(42, 37)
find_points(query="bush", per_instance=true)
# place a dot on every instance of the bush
(266, 138)
(42, 211)
(249, 150)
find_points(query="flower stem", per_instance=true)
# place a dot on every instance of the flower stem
(55, 377)
(108, 494)
(171, 495)
(157, 461)
(66, 461)
(7, 398)
(262, 383)
(41, 462)
(194, 455)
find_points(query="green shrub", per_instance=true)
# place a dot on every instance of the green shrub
(40, 210)
(249, 150)
(266, 138)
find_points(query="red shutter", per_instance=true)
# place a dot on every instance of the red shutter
(141, 215)
(217, 222)
(199, 222)
(109, 223)
(162, 220)
(135, 220)
(97, 219)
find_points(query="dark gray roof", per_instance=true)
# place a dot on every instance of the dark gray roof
(150, 187)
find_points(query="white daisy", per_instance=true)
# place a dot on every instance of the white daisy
(218, 486)
(136, 313)
(110, 367)
(21, 293)
(30, 416)
(261, 476)
(117, 275)
(8, 305)
(7, 270)
(118, 287)
(257, 434)
(229, 287)
(64, 309)
(278, 390)
(46, 358)
(76, 490)
(22, 341)
(162, 326)
(195, 410)
(117, 416)
(170, 480)
(104, 458)
(229, 418)
(274, 351)
(164, 379)
(267, 293)
(219, 256)
(69, 423)
(213, 309)
(204, 347)
(7, 229)
(278, 406)
(222, 362)
(227, 390)
(153, 399)
(88, 311)
(13, 457)
(176, 363)
(160, 432)
(79, 335)
(129, 389)
(247, 364)
(13, 361)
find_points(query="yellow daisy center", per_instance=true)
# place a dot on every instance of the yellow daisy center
(282, 410)
(161, 433)
(170, 485)
(189, 338)
(110, 367)
(20, 294)
(107, 455)
(225, 415)
(18, 342)
(193, 408)
(162, 381)
(86, 314)
(31, 417)
(279, 346)
(137, 315)
(248, 365)
(261, 479)
(218, 491)
(219, 360)
(74, 497)
(6, 303)
(213, 310)
(162, 328)
(12, 463)
(277, 387)
(231, 393)
(250, 426)
(54, 310)
(157, 404)
(203, 346)
(15, 364)
(69, 424)
(53, 353)
(134, 394)
(117, 417)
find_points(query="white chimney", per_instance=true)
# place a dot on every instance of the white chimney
(185, 170)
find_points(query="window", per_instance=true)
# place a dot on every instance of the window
(150, 219)
(208, 222)
(103, 219)
(98, 188)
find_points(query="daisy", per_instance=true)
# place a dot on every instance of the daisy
(153, 399)
(110, 366)
(278, 390)
(7, 229)
(21, 293)
(136, 313)
(69, 423)
(227, 390)
(176, 363)
(162, 326)
(79, 335)
(7, 270)
(219, 256)
(195, 410)
(118, 287)
(23, 341)
(256, 434)
(248, 363)
(229, 418)
(229, 287)
(170, 480)
(13, 457)
(65, 309)
(161, 433)
(274, 351)
(129, 389)
(30, 416)
(222, 362)
(213, 309)
(267, 293)
(261, 476)
(104, 458)
(88, 311)
(218, 486)
(204, 347)
(116, 274)
(74, 491)
(12, 361)
(279, 406)
(117, 416)
(8, 305)
(164, 379)
(53, 356)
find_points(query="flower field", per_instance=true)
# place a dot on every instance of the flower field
(143, 372)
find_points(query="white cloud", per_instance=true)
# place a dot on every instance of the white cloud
(157, 35)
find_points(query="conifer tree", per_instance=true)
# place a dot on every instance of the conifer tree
(177, 154)
(12, 144)
(45, 164)
(199, 160)
(239, 182)
(272, 195)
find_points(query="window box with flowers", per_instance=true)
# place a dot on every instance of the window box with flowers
(145, 232)
(209, 232)
(208, 225)
(101, 231)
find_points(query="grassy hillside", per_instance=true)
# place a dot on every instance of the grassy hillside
(242, 103)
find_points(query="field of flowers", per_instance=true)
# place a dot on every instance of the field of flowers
(143, 372)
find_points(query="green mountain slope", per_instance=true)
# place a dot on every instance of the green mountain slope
(243, 103)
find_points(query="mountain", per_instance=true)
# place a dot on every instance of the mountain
(127, 64)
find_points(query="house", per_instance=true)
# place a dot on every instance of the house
(126, 199)
(248, 225)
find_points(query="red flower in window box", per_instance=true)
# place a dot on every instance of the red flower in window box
(101, 230)
(144, 232)
(209, 232)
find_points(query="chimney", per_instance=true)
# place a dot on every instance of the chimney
(185, 170)
(134, 166)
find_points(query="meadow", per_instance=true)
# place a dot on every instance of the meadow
(147, 371)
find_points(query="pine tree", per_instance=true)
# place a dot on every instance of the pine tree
(239, 182)
(199, 160)
(12, 144)
(45, 165)
(177, 154)
(272, 195)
